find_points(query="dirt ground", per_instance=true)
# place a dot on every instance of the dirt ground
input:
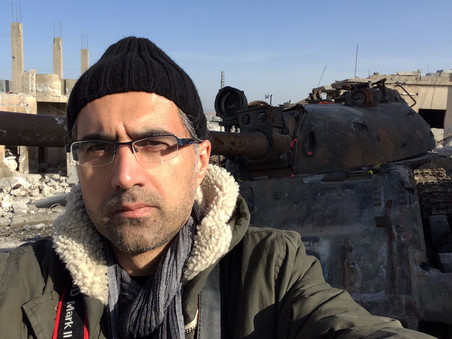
(28, 228)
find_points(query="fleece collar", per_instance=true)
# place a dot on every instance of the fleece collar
(80, 246)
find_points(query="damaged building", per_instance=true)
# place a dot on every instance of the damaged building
(33, 93)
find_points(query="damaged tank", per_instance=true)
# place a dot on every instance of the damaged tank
(348, 175)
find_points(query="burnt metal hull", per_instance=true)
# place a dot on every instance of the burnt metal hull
(367, 232)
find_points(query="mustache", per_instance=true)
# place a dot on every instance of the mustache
(130, 196)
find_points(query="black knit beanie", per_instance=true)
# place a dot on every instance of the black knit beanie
(137, 64)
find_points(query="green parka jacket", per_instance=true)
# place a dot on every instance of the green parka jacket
(270, 288)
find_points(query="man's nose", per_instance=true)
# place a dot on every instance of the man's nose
(128, 172)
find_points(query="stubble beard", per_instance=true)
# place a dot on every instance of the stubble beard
(138, 235)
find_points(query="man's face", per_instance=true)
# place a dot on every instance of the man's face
(138, 206)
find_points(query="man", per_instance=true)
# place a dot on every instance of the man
(152, 224)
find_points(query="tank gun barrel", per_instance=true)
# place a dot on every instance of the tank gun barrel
(253, 146)
(23, 129)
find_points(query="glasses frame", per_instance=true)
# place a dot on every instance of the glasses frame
(181, 142)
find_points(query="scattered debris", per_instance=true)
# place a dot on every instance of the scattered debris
(29, 204)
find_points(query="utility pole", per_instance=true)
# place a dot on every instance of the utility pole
(356, 59)
(318, 84)
(269, 96)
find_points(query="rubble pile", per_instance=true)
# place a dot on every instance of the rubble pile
(29, 203)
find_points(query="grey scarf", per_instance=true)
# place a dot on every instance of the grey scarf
(154, 310)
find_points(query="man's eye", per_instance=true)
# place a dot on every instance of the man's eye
(152, 145)
(95, 148)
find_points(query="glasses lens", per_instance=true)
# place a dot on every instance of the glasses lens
(156, 148)
(93, 153)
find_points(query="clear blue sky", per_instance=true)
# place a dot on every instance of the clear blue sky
(264, 47)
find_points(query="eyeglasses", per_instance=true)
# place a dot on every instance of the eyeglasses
(155, 149)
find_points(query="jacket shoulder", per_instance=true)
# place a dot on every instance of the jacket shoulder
(31, 278)
(37, 252)
(35, 262)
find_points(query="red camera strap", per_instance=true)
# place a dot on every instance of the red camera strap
(71, 320)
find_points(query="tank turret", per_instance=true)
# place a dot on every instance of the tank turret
(373, 126)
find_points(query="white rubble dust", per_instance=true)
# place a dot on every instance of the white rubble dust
(20, 219)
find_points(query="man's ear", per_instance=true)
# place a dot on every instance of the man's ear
(204, 149)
